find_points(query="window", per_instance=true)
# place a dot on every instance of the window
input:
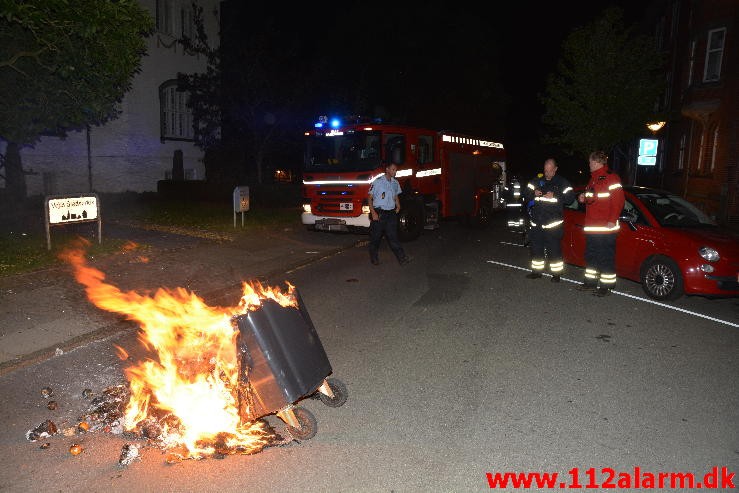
(395, 148)
(425, 149)
(714, 54)
(165, 16)
(176, 118)
(691, 63)
(681, 153)
(175, 18)
(187, 28)
(701, 150)
(714, 146)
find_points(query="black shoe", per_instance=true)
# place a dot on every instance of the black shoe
(533, 275)
(405, 260)
(375, 261)
(601, 292)
(586, 287)
(555, 279)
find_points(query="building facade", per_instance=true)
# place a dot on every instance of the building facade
(699, 148)
(155, 127)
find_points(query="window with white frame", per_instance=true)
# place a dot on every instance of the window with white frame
(176, 118)
(701, 150)
(714, 54)
(187, 24)
(714, 147)
(165, 16)
(175, 18)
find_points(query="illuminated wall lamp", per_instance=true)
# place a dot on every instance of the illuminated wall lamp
(656, 126)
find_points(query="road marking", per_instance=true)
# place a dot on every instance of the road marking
(514, 244)
(639, 298)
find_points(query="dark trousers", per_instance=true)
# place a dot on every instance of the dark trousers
(600, 259)
(546, 243)
(387, 225)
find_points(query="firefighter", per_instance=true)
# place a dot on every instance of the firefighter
(514, 207)
(547, 194)
(604, 200)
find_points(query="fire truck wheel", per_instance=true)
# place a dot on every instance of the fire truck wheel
(340, 393)
(308, 424)
(410, 222)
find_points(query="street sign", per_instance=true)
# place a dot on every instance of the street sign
(61, 210)
(241, 199)
(647, 152)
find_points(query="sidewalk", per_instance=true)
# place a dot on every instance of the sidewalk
(45, 312)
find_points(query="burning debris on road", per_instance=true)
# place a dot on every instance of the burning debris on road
(213, 374)
(46, 429)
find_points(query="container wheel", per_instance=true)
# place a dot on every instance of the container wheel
(308, 424)
(340, 393)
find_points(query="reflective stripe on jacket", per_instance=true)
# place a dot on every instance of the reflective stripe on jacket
(604, 198)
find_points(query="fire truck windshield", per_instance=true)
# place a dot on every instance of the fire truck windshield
(355, 151)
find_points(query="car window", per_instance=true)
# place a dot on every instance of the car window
(632, 211)
(673, 211)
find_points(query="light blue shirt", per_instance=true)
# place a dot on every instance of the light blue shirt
(383, 192)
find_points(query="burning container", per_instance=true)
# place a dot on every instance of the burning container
(281, 361)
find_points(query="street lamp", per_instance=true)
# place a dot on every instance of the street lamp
(655, 127)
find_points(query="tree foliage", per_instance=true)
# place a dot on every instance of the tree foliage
(605, 88)
(65, 64)
(205, 94)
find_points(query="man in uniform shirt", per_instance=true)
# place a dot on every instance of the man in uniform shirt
(384, 207)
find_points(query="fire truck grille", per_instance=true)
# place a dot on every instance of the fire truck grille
(337, 207)
(346, 193)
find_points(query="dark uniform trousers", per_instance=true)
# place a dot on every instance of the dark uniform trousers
(546, 241)
(387, 224)
(600, 259)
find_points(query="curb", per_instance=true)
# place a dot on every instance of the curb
(117, 328)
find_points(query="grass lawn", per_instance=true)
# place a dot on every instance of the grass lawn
(23, 247)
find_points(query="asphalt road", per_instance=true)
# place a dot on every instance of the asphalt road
(456, 366)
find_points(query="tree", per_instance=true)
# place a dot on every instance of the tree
(605, 88)
(64, 65)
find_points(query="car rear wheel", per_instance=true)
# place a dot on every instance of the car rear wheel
(661, 279)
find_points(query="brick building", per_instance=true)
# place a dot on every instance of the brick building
(699, 148)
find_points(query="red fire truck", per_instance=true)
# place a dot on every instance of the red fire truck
(442, 175)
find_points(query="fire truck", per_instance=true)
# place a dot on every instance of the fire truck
(442, 175)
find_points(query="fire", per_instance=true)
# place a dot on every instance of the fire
(193, 380)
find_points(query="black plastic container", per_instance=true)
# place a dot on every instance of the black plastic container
(282, 359)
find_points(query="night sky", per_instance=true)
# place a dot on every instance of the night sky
(442, 65)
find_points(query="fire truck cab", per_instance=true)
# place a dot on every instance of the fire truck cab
(442, 175)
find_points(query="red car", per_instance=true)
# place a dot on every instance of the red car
(665, 243)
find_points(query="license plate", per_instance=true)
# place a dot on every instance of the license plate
(346, 206)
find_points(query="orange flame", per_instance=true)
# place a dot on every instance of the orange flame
(195, 374)
(122, 353)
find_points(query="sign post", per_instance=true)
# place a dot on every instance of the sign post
(66, 209)
(241, 202)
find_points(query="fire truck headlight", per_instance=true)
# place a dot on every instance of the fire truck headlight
(365, 209)
(306, 207)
